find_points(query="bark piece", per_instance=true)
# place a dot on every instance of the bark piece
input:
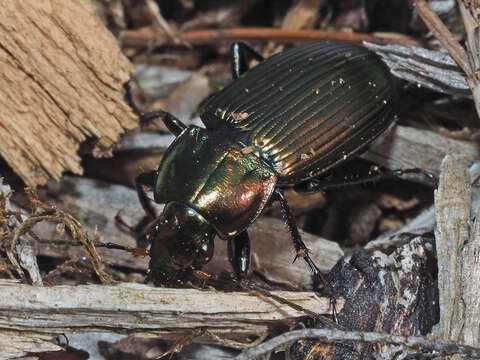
(433, 69)
(393, 294)
(62, 77)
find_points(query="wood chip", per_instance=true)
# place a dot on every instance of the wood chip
(146, 310)
(62, 84)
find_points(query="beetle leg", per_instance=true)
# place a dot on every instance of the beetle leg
(174, 125)
(300, 246)
(148, 179)
(373, 175)
(298, 243)
(241, 54)
(239, 253)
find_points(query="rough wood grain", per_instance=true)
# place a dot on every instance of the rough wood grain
(471, 287)
(61, 83)
(14, 344)
(452, 203)
(145, 310)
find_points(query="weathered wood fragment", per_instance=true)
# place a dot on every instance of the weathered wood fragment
(146, 310)
(61, 84)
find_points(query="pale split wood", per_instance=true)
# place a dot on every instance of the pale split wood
(468, 62)
(471, 286)
(458, 250)
(147, 311)
(452, 204)
(61, 83)
(14, 344)
(470, 12)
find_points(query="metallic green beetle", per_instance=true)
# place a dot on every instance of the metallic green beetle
(284, 122)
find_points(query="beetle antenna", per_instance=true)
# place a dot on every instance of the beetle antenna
(132, 250)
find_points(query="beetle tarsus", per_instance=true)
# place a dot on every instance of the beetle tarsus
(302, 253)
(298, 243)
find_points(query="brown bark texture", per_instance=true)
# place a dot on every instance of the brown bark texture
(61, 84)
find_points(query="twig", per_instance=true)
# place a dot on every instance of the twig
(160, 21)
(73, 225)
(145, 37)
(164, 312)
(456, 51)
(330, 335)
(452, 208)
(236, 344)
(471, 23)
(441, 32)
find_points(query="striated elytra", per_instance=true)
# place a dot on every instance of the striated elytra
(286, 121)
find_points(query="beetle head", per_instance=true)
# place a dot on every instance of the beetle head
(182, 240)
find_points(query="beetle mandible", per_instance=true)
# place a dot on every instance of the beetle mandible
(284, 122)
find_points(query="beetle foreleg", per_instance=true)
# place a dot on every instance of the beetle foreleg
(241, 54)
(148, 179)
(300, 246)
(239, 253)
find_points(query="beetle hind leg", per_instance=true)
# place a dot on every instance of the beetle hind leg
(373, 174)
(301, 248)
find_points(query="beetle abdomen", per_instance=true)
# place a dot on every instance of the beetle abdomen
(310, 107)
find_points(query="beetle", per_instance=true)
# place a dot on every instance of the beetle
(285, 122)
